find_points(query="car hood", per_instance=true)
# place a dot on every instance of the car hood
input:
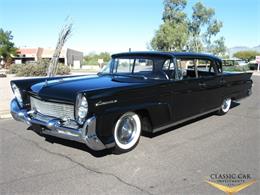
(66, 89)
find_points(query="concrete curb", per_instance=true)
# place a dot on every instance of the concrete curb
(5, 116)
(256, 73)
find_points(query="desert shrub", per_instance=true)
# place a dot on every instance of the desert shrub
(63, 70)
(32, 70)
(14, 68)
(36, 69)
(2, 75)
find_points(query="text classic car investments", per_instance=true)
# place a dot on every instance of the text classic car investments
(135, 92)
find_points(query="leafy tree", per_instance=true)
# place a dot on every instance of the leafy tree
(173, 33)
(212, 30)
(218, 47)
(246, 55)
(178, 32)
(170, 38)
(202, 18)
(7, 48)
(105, 56)
(173, 10)
(92, 58)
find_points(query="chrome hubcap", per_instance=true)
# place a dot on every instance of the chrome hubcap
(226, 105)
(126, 130)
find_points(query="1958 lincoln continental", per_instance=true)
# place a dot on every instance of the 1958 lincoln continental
(135, 92)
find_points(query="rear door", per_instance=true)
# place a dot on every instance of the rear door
(196, 88)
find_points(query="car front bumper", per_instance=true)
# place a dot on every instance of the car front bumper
(56, 127)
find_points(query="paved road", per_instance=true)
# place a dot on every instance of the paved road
(176, 162)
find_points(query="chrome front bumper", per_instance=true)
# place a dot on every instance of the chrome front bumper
(55, 127)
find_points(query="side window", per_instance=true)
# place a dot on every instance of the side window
(123, 65)
(143, 65)
(168, 65)
(219, 66)
(195, 68)
(186, 68)
(204, 65)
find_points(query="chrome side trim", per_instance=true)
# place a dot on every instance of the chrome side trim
(100, 103)
(55, 127)
(184, 120)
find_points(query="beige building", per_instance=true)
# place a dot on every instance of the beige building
(68, 56)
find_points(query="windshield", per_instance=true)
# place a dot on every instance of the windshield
(139, 66)
(128, 66)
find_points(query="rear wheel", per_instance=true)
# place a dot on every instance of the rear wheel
(127, 132)
(225, 106)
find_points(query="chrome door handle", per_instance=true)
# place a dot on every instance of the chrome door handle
(202, 84)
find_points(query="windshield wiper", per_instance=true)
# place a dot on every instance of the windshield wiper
(131, 75)
(123, 75)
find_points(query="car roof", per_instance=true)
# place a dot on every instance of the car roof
(167, 54)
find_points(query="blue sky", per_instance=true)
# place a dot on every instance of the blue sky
(116, 25)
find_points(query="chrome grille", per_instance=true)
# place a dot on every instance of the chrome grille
(57, 110)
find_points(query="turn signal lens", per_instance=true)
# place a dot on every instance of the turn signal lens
(17, 94)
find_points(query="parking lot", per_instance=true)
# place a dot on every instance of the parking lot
(177, 161)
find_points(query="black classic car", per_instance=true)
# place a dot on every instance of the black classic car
(135, 92)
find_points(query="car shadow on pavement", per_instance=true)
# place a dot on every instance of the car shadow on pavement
(77, 145)
(175, 127)
(69, 143)
(234, 104)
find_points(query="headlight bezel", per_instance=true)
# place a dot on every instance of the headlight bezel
(17, 93)
(81, 108)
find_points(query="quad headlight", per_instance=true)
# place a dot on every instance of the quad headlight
(81, 109)
(17, 94)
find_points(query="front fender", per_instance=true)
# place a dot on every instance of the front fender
(158, 113)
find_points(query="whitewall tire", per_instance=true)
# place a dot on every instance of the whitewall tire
(127, 132)
(225, 106)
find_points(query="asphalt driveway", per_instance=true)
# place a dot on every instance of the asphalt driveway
(177, 161)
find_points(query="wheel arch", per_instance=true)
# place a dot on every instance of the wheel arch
(148, 112)
(146, 122)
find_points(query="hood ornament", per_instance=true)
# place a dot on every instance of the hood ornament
(46, 83)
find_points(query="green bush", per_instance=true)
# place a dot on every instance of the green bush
(236, 68)
(36, 69)
(92, 58)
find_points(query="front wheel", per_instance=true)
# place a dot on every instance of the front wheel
(225, 106)
(127, 132)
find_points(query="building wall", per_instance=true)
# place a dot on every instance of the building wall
(72, 56)
(67, 56)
